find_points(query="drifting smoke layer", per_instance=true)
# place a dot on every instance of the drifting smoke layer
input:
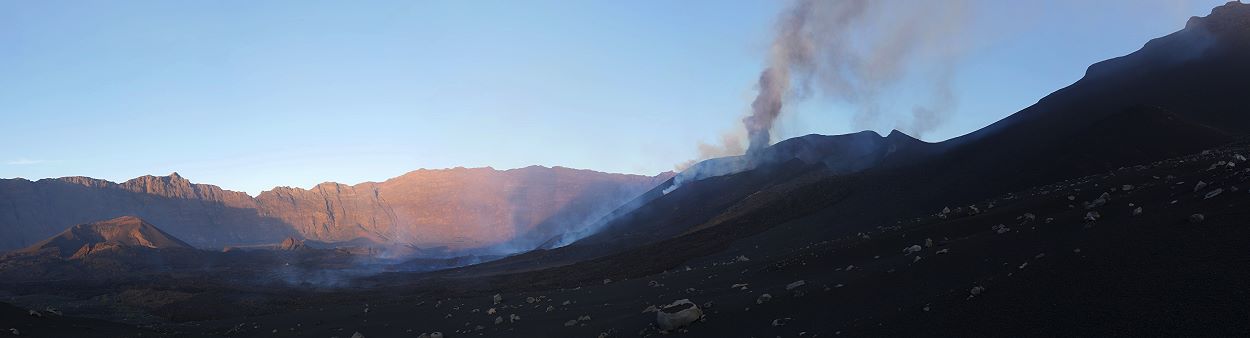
(852, 51)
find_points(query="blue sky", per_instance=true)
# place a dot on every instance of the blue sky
(250, 95)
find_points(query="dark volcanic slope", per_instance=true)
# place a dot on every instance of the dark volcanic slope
(457, 208)
(667, 211)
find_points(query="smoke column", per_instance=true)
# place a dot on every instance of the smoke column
(852, 50)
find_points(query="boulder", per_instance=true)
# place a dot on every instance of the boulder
(679, 314)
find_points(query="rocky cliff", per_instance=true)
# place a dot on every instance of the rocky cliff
(454, 208)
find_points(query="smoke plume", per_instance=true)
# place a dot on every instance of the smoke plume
(852, 51)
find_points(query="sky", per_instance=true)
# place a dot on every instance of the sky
(250, 95)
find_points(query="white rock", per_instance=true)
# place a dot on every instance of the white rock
(490, 311)
(436, 335)
(1199, 186)
(795, 285)
(678, 314)
(498, 320)
(1137, 211)
(976, 290)
(1197, 218)
(497, 298)
(943, 251)
(571, 322)
(1214, 193)
(358, 335)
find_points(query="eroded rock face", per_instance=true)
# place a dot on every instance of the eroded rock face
(92, 238)
(453, 208)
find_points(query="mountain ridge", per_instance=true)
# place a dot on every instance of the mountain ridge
(210, 216)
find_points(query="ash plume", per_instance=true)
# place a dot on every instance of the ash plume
(852, 51)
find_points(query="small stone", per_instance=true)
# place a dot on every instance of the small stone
(497, 298)
(912, 249)
(943, 251)
(1137, 211)
(795, 285)
(1199, 186)
(764, 298)
(436, 335)
(1197, 218)
(1213, 193)
(1092, 216)
(976, 290)
(571, 322)
(498, 320)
